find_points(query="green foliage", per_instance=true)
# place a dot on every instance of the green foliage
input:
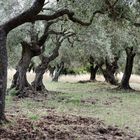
(106, 37)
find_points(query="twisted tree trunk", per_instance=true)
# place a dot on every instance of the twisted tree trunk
(109, 72)
(20, 79)
(4, 30)
(37, 84)
(109, 77)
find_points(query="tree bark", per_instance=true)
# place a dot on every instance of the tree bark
(20, 79)
(93, 70)
(4, 30)
(29, 15)
(109, 77)
(109, 72)
(58, 71)
(3, 72)
(128, 69)
(37, 84)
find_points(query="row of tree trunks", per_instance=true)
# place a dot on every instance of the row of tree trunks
(5, 28)
(29, 15)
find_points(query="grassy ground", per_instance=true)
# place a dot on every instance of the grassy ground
(98, 100)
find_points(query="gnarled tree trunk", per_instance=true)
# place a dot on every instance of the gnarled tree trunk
(37, 84)
(28, 16)
(128, 69)
(4, 30)
(19, 79)
(109, 77)
(109, 72)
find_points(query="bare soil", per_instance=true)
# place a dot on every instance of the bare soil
(62, 127)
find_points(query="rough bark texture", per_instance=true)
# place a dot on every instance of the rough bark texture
(128, 69)
(40, 70)
(3, 72)
(19, 79)
(24, 17)
(37, 84)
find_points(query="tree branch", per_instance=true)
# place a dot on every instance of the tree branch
(25, 16)
(70, 15)
(46, 33)
(136, 24)
(115, 3)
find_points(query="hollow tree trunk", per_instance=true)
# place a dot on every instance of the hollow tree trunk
(128, 69)
(3, 72)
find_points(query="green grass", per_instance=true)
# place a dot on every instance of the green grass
(119, 108)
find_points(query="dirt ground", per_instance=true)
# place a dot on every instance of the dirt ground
(58, 121)
(62, 127)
